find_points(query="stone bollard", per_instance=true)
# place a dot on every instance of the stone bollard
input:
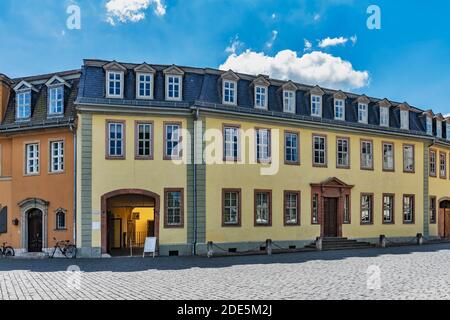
(419, 239)
(210, 249)
(382, 241)
(269, 247)
(319, 243)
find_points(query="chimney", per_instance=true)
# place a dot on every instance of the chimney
(5, 91)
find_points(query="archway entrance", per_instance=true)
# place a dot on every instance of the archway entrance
(444, 218)
(129, 216)
(35, 230)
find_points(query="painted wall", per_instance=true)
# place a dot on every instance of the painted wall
(151, 175)
(248, 177)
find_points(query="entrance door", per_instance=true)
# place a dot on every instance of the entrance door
(35, 231)
(444, 219)
(330, 218)
(447, 222)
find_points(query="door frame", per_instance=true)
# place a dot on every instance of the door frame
(332, 188)
(25, 207)
(41, 218)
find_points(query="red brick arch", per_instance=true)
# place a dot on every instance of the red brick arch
(122, 192)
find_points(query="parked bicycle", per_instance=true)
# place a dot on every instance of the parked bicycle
(66, 248)
(7, 251)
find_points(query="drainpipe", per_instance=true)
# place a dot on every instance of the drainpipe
(72, 128)
(196, 115)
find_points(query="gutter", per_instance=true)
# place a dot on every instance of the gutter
(75, 195)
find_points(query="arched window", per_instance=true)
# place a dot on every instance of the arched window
(60, 219)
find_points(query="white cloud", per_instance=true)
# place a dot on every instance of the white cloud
(316, 17)
(354, 39)
(269, 44)
(311, 68)
(132, 10)
(274, 16)
(308, 45)
(235, 45)
(332, 42)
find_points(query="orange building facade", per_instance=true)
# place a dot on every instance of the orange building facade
(37, 161)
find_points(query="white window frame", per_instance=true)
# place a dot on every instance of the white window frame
(320, 151)
(23, 108)
(175, 140)
(232, 92)
(57, 159)
(429, 125)
(263, 208)
(231, 207)
(138, 85)
(58, 214)
(231, 141)
(316, 99)
(404, 119)
(263, 145)
(384, 116)
(54, 102)
(438, 128)
(180, 87)
(367, 207)
(339, 104)
(389, 157)
(409, 158)
(116, 140)
(363, 113)
(144, 140)
(367, 157)
(32, 154)
(294, 148)
(408, 210)
(121, 84)
(261, 97)
(289, 101)
(343, 152)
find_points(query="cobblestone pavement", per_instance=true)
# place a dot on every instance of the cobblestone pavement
(405, 273)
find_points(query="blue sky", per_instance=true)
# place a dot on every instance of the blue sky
(406, 60)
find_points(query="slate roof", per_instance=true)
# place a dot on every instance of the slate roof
(202, 87)
(39, 105)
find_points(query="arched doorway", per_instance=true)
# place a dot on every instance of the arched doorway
(444, 218)
(35, 230)
(128, 217)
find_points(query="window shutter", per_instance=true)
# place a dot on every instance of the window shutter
(4, 220)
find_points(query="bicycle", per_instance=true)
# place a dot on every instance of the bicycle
(67, 249)
(7, 251)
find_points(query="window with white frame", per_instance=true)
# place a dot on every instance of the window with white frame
(408, 158)
(262, 203)
(172, 145)
(366, 154)
(231, 143)
(229, 92)
(291, 208)
(388, 156)
(144, 143)
(144, 86)
(56, 100)
(388, 208)
(429, 125)
(366, 208)
(23, 105)
(115, 139)
(433, 165)
(347, 217)
(362, 113)
(57, 156)
(339, 109)
(115, 84)
(443, 165)
(291, 147)
(343, 153)
(262, 145)
(384, 116)
(319, 151)
(315, 209)
(261, 97)
(408, 209)
(448, 130)
(231, 205)
(173, 87)
(438, 129)
(404, 119)
(289, 101)
(60, 220)
(32, 158)
(316, 106)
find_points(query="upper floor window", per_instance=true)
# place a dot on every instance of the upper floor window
(144, 140)
(32, 159)
(384, 116)
(433, 171)
(116, 137)
(291, 144)
(229, 92)
(362, 113)
(339, 109)
(23, 105)
(56, 100)
(57, 156)
(231, 143)
(262, 145)
(144, 85)
(174, 208)
(316, 106)
(343, 153)
(429, 125)
(367, 154)
(261, 97)
(172, 141)
(408, 158)
(388, 156)
(173, 87)
(114, 84)
(443, 165)
(404, 119)
(289, 101)
(319, 150)
(438, 128)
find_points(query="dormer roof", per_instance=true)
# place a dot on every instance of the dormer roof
(230, 75)
(428, 113)
(385, 103)
(144, 68)
(316, 90)
(24, 85)
(363, 99)
(439, 117)
(261, 80)
(174, 70)
(340, 95)
(55, 80)
(114, 66)
(404, 106)
(290, 86)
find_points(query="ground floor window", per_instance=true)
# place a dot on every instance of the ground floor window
(408, 209)
(388, 208)
(291, 208)
(174, 203)
(347, 218)
(263, 204)
(366, 208)
(231, 207)
(60, 220)
(433, 210)
(315, 209)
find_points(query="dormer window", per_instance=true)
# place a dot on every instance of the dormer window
(429, 125)
(404, 119)
(23, 105)
(362, 113)
(229, 92)
(144, 86)
(448, 129)
(114, 84)
(56, 100)
(261, 97)
(173, 85)
(316, 106)
(438, 128)
(339, 109)
(289, 101)
(384, 116)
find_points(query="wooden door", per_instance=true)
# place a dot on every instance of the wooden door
(446, 223)
(330, 218)
(35, 231)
